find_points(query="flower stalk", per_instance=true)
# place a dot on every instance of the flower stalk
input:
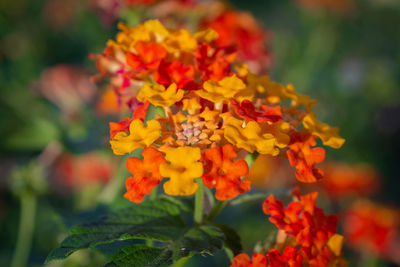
(25, 230)
(199, 203)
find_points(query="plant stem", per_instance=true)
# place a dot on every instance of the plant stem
(199, 203)
(181, 262)
(217, 209)
(251, 158)
(25, 231)
(153, 194)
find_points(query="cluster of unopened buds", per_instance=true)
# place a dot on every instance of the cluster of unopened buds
(212, 113)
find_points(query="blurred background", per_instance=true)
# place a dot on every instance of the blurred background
(56, 165)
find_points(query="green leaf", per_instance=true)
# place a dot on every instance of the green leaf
(119, 235)
(232, 239)
(203, 240)
(248, 198)
(140, 255)
(157, 220)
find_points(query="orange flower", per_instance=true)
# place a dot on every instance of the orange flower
(289, 258)
(243, 260)
(175, 72)
(214, 63)
(314, 232)
(146, 174)
(123, 125)
(346, 180)
(303, 157)
(225, 174)
(246, 110)
(148, 57)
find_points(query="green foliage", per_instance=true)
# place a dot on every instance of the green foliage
(120, 235)
(202, 239)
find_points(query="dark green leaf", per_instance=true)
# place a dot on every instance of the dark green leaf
(140, 255)
(232, 239)
(203, 240)
(157, 220)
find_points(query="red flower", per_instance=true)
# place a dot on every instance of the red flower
(243, 260)
(240, 29)
(247, 111)
(225, 174)
(289, 258)
(286, 219)
(303, 157)
(214, 63)
(146, 174)
(148, 57)
(174, 72)
(123, 125)
(308, 224)
(372, 227)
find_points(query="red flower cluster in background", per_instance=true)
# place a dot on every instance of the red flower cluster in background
(341, 180)
(373, 228)
(83, 170)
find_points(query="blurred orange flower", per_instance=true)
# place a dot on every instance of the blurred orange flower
(240, 29)
(77, 171)
(342, 179)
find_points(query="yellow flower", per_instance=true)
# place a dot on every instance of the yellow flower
(206, 36)
(192, 105)
(335, 244)
(279, 130)
(251, 137)
(299, 99)
(159, 96)
(329, 135)
(150, 31)
(223, 90)
(276, 91)
(184, 167)
(140, 136)
(179, 41)
(242, 70)
(263, 84)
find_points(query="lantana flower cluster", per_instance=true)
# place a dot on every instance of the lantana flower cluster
(306, 236)
(212, 113)
(234, 27)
